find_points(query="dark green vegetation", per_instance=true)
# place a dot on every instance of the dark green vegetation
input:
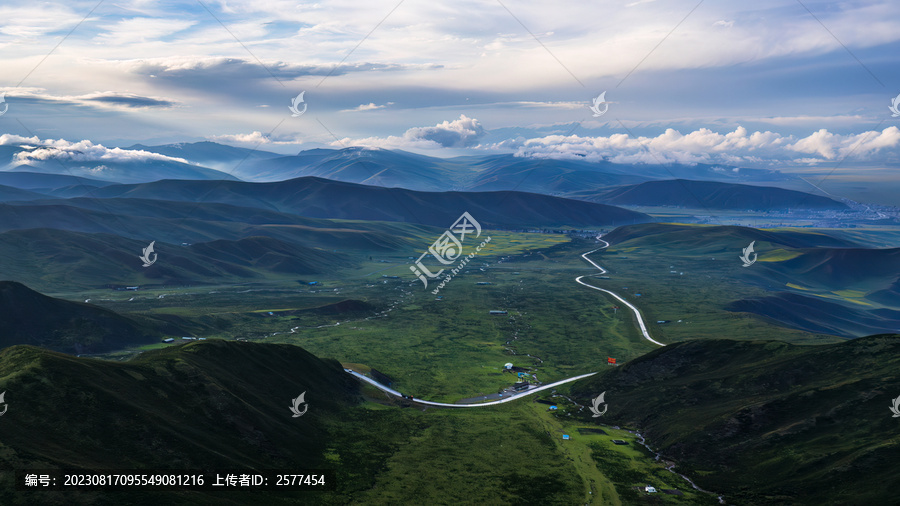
(714, 195)
(73, 327)
(202, 405)
(215, 404)
(766, 422)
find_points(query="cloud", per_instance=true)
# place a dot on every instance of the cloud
(81, 151)
(218, 67)
(133, 30)
(102, 99)
(367, 107)
(460, 133)
(706, 146)
(255, 138)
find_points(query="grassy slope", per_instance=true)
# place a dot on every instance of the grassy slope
(209, 404)
(767, 422)
(32, 318)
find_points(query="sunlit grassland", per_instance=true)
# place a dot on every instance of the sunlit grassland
(449, 349)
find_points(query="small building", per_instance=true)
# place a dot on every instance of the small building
(518, 387)
(202, 339)
(508, 366)
(484, 283)
(497, 312)
(188, 338)
(649, 489)
(313, 283)
(169, 340)
(619, 442)
(565, 436)
(553, 408)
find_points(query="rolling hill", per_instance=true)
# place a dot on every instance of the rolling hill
(10, 193)
(41, 182)
(714, 195)
(322, 198)
(368, 166)
(766, 422)
(704, 239)
(204, 405)
(29, 317)
(208, 153)
(126, 172)
(815, 314)
(54, 259)
(187, 222)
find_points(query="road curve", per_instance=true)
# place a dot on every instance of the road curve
(637, 312)
(475, 405)
(528, 392)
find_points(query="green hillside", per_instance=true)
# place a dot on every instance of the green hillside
(53, 259)
(204, 405)
(178, 222)
(73, 327)
(765, 422)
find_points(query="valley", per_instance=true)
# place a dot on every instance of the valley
(260, 291)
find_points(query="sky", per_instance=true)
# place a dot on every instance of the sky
(767, 83)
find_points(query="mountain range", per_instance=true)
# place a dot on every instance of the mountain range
(322, 198)
(682, 185)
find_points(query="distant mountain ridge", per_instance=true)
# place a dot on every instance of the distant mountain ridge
(322, 198)
(715, 195)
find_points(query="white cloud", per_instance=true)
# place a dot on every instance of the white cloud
(128, 31)
(99, 99)
(81, 151)
(371, 106)
(255, 138)
(706, 146)
(460, 133)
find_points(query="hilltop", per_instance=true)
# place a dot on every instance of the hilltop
(74, 327)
